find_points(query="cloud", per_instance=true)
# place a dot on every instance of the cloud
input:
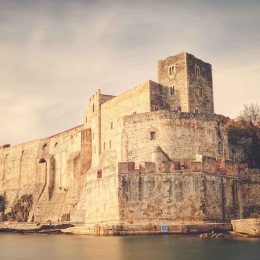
(54, 54)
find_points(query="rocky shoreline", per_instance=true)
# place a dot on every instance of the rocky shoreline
(39, 229)
(202, 230)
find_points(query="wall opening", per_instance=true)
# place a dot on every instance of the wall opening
(42, 160)
(44, 147)
(152, 135)
(172, 90)
(200, 91)
(99, 173)
(197, 70)
(172, 70)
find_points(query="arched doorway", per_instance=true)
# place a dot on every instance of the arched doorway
(42, 171)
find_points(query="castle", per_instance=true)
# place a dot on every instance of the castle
(156, 154)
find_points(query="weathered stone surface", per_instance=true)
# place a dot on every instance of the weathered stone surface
(152, 156)
(247, 226)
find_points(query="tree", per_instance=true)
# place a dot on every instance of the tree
(251, 113)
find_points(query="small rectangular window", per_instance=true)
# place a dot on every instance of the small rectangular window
(110, 144)
(99, 173)
(93, 108)
(200, 91)
(152, 135)
(172, 90)
(104, 146)
(111, 125)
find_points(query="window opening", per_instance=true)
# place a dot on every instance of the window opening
(152, 135)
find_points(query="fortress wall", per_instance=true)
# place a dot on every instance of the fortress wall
(165, 197)
(162, 99)
(136, 100)
(201, 87)
(179, 80)
(244, 144)
(92, 121)
(251, 193)
(48, 169)
(179, 135)
(102, 200)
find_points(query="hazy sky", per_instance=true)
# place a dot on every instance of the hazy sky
(55, 53)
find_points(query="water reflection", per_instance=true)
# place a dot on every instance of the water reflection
(42, 247)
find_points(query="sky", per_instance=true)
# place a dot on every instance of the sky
(55, 53)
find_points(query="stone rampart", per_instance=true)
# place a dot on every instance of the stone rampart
(50, 170)
(180, 135)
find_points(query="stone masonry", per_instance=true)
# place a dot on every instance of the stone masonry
(156, 154)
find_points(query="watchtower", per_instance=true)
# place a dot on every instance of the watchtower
(191, 79)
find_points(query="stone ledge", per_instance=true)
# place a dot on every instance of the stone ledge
(247, 226)
(144, 229)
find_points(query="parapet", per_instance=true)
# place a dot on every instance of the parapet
(164, 114)
(208, 165)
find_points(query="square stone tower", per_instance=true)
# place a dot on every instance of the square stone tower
(191, 79)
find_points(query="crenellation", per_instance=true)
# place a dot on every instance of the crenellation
(156, 154)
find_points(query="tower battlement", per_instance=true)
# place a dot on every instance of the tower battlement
(156, 153)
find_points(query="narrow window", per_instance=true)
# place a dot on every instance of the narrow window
(86, 119)
(196, 110)
(93, 108)
(99, 173)
(111, 125)
(172, 90)
(110, 144)
(93, 136)
(197, 70)
(152, 135)
(200, 91)
(172, 70)
(155, 108)
(104, 146)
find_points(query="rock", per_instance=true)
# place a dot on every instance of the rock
(214, 235)
(220, 235)
(204, 236)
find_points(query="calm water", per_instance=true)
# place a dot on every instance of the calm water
(47, 247)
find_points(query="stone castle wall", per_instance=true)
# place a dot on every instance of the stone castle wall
(190, 194)
(50, 170)
(179, 80)
(141, 157)
(180, 135)
(200, 85)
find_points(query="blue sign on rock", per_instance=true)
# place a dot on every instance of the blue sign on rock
(164, 228)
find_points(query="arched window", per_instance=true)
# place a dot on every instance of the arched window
(44, 147)
(42, 160)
